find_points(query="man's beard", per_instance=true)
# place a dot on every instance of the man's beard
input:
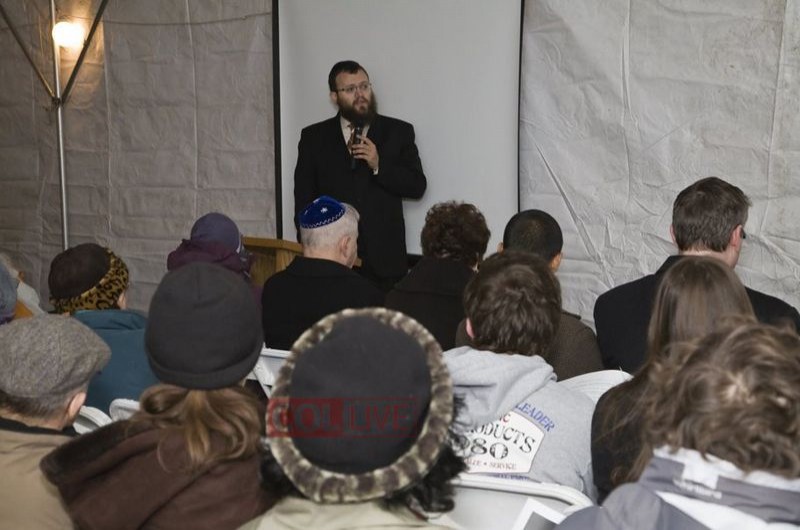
(353, 116)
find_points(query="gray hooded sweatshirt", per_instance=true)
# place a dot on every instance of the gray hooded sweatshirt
(518, 421)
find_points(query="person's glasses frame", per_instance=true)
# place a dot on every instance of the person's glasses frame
(364, 87)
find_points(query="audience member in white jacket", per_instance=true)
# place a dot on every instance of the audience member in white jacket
(517, 420)
(723, 419)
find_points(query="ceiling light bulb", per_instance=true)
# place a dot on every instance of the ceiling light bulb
(68, 34)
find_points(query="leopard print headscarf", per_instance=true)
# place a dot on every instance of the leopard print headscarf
(104, 295)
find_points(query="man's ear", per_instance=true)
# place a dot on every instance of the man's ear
(672, 235)
(122, 301)
(500, 247)
(343, 246)
(470, 333)
(555, 263)
(74, 406)
(334, 99)
(737, 237)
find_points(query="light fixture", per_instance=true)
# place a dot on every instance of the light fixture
(68, 34)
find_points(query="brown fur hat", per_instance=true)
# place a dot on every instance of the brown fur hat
(361, 360)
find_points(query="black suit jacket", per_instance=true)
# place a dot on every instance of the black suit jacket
(431, 293)
(308, 289)
(324, 168)
(621, 317)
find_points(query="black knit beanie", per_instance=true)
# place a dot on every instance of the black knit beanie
(77, 270)
(204, 329)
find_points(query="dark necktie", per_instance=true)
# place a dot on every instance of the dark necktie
(352, 139)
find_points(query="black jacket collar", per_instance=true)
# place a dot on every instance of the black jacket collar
(16, 426)
(303, 266)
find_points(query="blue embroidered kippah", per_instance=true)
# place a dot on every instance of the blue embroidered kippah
(323, 211)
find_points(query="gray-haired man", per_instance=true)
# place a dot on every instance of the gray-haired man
(319, 282)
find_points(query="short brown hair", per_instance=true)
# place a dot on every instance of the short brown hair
(733, 394)
(513, 304)
(455, 230)
(705, 214)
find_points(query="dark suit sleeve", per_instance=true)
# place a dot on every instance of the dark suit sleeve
(403, 175)
(603, 342)
(586, 341)
(377, 298)
(578, 352)
(305, 178)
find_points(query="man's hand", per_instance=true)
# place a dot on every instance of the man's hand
(367, 151)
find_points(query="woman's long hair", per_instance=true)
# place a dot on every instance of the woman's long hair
(692, 297)
(214, 425)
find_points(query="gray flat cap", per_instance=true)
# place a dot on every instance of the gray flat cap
(48, 355)
(8, 294)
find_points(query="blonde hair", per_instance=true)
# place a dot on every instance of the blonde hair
(215, 425)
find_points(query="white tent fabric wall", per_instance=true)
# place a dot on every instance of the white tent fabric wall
(170, 118)
(29, 212)
(626, 103)
(623, 104)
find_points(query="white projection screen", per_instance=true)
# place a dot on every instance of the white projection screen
(450, 67)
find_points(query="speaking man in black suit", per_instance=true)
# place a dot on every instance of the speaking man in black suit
(367, 160)
(708, 219)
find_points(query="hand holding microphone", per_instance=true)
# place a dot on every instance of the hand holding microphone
(357, 132)
(364, 149)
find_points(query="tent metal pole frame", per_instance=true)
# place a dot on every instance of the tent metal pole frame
(27, 54)
(58, 98)
(59, 107)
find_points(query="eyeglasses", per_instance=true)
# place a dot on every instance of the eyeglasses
(744, 236)
(361, 87)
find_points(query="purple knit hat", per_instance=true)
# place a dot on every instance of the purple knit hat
(217, 227)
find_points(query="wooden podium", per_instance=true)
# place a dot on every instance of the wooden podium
(270, 256)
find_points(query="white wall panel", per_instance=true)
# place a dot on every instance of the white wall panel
(450, 67)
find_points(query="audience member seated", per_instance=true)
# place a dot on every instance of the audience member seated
(721, 430)
(28, 302)
(47, 361)
(215, 238)
(454, 241)
(8, 296)
(90, 282)
(319, 282)
(519, 421)
(189, 458)
(708, 219)
(573, 350)
(691, 299)
(386, 457)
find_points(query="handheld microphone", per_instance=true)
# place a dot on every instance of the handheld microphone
(356, 140)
